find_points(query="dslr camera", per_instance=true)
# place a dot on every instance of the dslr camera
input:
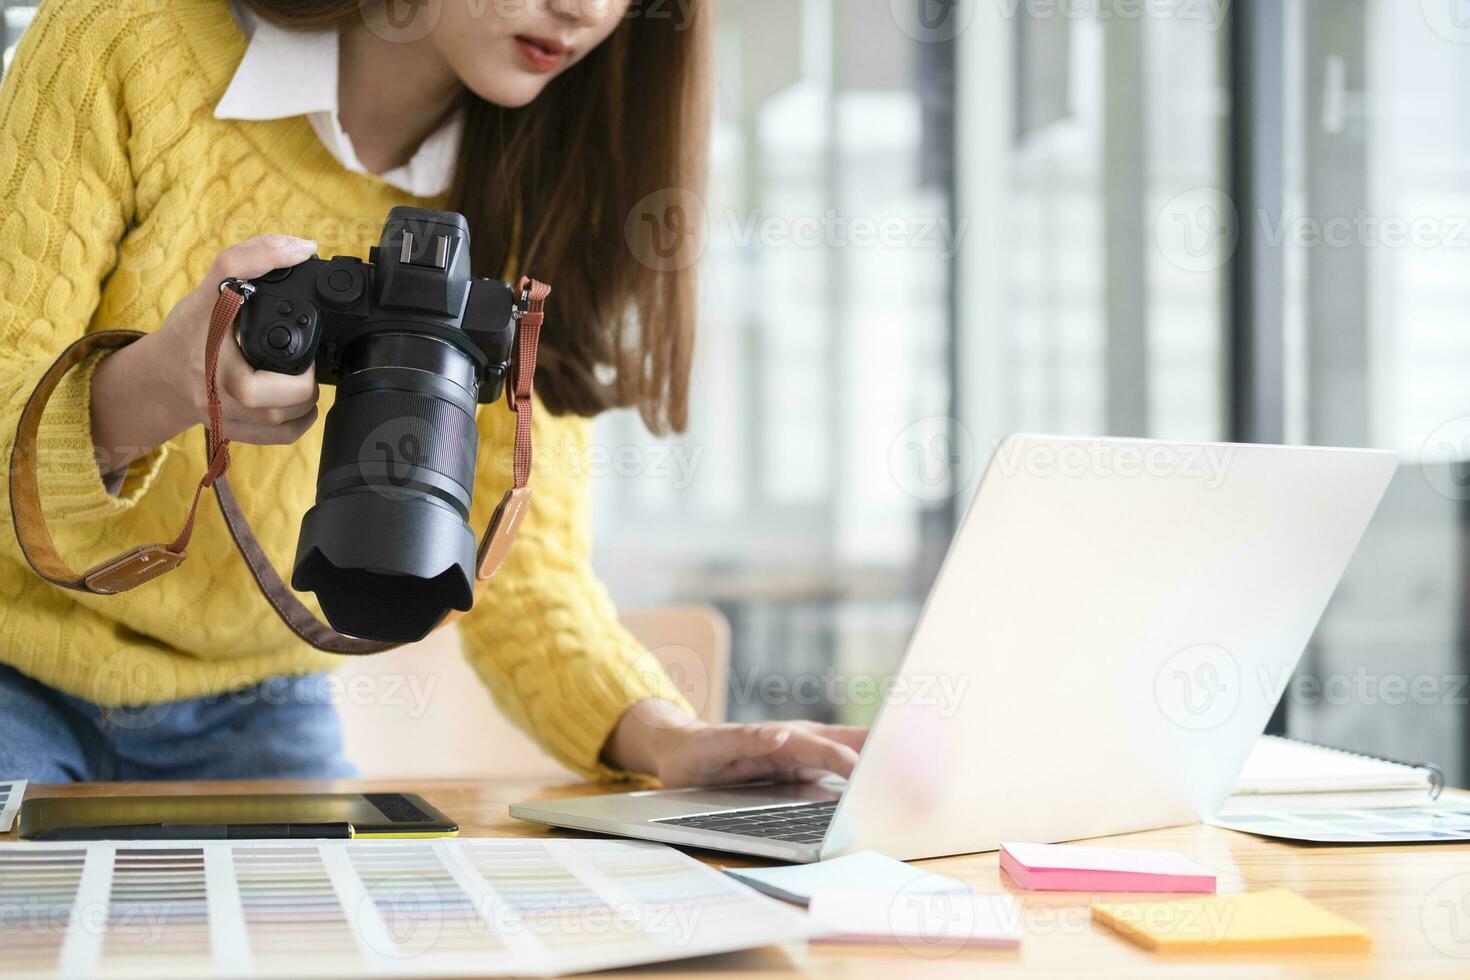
(413, 344)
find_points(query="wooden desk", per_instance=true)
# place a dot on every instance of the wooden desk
(1415, 899)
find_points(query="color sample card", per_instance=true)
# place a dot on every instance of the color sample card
(1258, 921)
(157, 910)
(917, 920)
(1445, 821)
(499, 907)
(866, 871)
(11, 793)
(287, 904)
(1070, 867)
(38, 893)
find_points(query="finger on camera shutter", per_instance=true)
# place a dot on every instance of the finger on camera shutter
(257, 256)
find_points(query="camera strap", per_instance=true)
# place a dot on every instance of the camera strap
(146, 562)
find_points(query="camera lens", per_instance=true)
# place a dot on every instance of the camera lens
(387, 547)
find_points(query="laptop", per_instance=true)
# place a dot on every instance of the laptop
(1112, 626)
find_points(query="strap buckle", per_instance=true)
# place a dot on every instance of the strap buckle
(513, 394)
(131, 569)
(244, 287)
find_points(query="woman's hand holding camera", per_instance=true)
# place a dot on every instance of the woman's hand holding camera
(154, 389)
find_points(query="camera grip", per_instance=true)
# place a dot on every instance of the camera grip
(279, 333)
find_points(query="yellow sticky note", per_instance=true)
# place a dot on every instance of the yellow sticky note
(1270, 920)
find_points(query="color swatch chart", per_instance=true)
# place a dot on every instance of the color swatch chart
(1444, 821)
(11, 793)
(494, 907)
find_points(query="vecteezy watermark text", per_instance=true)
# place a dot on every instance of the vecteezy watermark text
(1106, 458)
(1210, 13)
(831, 687)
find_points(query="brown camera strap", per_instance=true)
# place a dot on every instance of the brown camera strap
(146, 562)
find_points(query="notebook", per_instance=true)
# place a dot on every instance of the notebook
(1288, 774)
(865, 871)
(1277, 920)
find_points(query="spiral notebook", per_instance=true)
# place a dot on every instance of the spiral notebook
(1294, 790)
(1290, 774)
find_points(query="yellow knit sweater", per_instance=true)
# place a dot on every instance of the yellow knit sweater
(119, 189)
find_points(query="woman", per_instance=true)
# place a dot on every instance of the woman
(153, 148)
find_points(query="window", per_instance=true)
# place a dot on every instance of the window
(806, 499)
(1375, 239)
(1094, 140)
(16, 18)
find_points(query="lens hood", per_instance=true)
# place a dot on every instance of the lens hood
(385, 565)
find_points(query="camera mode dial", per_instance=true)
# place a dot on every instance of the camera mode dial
(340, 283)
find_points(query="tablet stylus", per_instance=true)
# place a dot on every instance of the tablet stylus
(219, 831)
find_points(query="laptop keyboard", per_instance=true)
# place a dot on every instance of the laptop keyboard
(802, 823)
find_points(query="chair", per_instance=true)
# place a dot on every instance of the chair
(421, 711)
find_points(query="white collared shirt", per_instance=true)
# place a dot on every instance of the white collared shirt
(294, 73)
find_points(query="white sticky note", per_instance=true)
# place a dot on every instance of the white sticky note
(937, 920)
(865, 871)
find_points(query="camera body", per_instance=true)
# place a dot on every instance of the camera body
(416, 279)
(414, 344)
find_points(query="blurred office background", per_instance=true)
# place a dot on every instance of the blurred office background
(935, 222)
(1190, 219)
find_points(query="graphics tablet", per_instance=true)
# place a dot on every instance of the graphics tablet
(255, 815)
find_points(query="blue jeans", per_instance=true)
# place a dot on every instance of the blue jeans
(281, 728)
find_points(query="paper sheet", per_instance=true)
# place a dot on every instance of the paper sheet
(918, 921)
(866, 871)
(1445, 821)
(494, 907)
(11, 793)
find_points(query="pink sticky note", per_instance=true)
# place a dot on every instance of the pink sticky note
(1070, 868)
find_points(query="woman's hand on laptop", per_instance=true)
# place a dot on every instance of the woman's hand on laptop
(664, 740)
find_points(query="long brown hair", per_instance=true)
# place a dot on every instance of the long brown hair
(551, 187)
